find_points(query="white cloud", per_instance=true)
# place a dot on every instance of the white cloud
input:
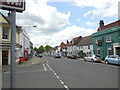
(66, 34)
(91, 23)
(103, 8)
(46, 18)
(78, 20)
(49, 22)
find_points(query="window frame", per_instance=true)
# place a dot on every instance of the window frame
(5, 34)
(108, 39)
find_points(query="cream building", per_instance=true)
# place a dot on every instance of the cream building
(5, 40)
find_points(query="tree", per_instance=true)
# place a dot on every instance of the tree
(47, 48)
(41, 49)
(35, 49)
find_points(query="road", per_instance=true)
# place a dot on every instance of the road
(65, 73)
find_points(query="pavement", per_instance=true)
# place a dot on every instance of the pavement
(32, 61)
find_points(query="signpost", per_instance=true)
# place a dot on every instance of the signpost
(14, 6)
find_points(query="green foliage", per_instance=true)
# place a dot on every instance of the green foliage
(47, 48)
(41, 49)
(35, 49)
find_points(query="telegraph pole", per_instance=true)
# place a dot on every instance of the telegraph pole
(13, 46)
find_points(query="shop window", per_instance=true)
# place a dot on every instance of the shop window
(108, 39)
(5, 33)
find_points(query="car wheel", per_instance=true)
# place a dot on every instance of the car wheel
(106, 62)
(92, 60)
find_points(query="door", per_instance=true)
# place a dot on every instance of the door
(4, 57)
(118, 51)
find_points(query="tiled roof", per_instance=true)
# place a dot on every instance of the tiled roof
(116, 23)
(86, 41)
(63, 45)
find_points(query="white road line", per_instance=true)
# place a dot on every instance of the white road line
(44, 67)
(55, 74)
(61, 82)
(65, 86)
(58, 77)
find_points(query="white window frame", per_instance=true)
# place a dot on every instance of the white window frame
(108, 39)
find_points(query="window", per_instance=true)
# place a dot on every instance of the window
(88, 46)
(96, 41)
(98, 52)
(5, 33)
(108, 39)
(109, 51)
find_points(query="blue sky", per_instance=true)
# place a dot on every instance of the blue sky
(58, 21)
(78, 13)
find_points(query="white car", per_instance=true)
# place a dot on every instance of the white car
(92, 58)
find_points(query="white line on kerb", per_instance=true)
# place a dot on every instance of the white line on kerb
(44, 67)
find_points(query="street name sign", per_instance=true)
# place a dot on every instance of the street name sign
(18, 5)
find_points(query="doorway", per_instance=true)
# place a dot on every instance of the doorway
(118, 51)
(4, 57)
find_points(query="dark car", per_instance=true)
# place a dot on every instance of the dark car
(73, 57)
(40, 55)
(57, 56)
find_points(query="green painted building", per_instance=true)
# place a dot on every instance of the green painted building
(106, 41)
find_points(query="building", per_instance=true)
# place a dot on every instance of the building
(63, 49)
(5, 40)
(72, 47)
(85, 46)
(106, 40)
(25, 51)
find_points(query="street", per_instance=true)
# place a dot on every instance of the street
(64, 73)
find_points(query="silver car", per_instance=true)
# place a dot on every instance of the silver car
(93, 58)
(113, 59)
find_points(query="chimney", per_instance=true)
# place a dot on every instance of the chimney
(101, 24)
(67, 42)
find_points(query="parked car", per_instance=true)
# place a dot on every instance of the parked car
(73, 57)
(112, 59)
(57, 56)
(92, 58)
(40, 55)
(68, 55)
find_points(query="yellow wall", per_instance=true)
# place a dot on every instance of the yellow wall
(0, 33)
(17, 37)
(3, 20)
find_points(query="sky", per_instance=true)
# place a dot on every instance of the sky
(61, 20)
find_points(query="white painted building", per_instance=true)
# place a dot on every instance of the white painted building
(85, 45)
(25, 44)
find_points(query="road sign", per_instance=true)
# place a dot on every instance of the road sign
(18, 5)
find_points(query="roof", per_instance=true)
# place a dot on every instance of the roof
(116, 23)
(4, 17)
(86, 41)
(63, 45)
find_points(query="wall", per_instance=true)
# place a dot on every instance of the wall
(113, 32)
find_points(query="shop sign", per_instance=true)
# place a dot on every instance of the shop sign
(18, 5)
